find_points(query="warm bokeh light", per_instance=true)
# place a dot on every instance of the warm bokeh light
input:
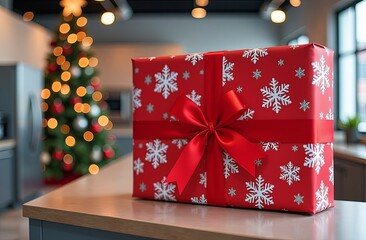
(93, 169)
(198, 12)
(87, 41)
(64, 28)
(82, 21)
(202, 3)
(44, 122)
(44, 106)
(81, 91)
(70, 141)
(65, 66)
(278, 16)
(83, 62)
(72, 7)
(97, 96)
(57, 51)
(56, 86)
(45, 93)
(103, 120)
(93, 62)
(295, 3)
(60, 59)
(65, 89)
(107, 18)
(72, 38)
(78, 107)
(65, 76)
(52, 123)
(109, 126)
(65, 129)
(81, 35)
(86, 108)
(88, 136)
(68, 159)
(28, 16)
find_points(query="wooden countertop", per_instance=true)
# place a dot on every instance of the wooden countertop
(7, 144)
(352, 152)
(104, 202)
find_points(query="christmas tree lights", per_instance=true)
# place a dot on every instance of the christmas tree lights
(76, 124)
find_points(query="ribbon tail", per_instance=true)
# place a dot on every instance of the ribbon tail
(240, 149)
(188, 161)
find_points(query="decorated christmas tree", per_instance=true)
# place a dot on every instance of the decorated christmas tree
(76, 123)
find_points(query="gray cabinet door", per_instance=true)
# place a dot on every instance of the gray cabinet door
(6, 178)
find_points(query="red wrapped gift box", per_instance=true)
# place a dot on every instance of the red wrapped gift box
(249, 128)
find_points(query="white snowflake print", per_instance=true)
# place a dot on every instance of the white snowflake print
(315, 157)
(165, 116)
(299, 72)
(194, 58)
(322, 197)
(147, 80)
(166, 82)
(149, 108)
(140, 145)
(298, 199)
(275, 96)
(290, 173)
(331, 174)
(196, 98)
(329, 115)
(232, 192)
(203, 179)
(152, 58)
(270, 145)
(202, 71)
(321, 74)
(180, 142)
(259, 192)
(248, 114)
(142, 187)
(138, 166)
(186, 75)
(304, 105)
(227, 68)
(294, 46)
(239, 89)
(258, 162)
(137, 70)
(156, 152)
(321, 115)
(294, 148)
(281, 62)
(257, 74)
(230, 165)
(136, 101)
(200, 200)
(255, 54)
(164, 191)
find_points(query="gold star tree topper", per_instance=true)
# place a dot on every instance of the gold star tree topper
(72, 7)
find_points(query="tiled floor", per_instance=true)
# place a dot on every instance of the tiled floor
(12, 225)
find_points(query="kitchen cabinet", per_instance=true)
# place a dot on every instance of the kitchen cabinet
(6, 177)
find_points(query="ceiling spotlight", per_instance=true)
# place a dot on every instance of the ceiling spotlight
(295, 3)
(202, 3)
(198, 12)
(107, 18)
(278, 16)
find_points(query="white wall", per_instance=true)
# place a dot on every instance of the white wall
(22, 41)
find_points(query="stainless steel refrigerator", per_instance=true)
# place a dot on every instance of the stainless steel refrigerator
(20, 88)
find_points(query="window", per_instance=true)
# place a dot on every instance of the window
(352, 62)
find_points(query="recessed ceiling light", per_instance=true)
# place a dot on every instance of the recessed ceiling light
(278, 16)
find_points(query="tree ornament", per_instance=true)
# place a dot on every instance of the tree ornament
(96, 128)
(52, 67)
(108, 152)
(75, 100)
(80, 123)
(57, 107)
(67, 166)
(67, 49)
(96, 154)
(45, 157)
(89, 90)
(89, 71)
(58, 154)
(94, 110)
(95, 85)
(75, 71)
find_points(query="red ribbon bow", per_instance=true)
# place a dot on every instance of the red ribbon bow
(211, 138)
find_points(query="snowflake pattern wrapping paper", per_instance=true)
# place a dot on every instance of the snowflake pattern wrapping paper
(285, 97)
